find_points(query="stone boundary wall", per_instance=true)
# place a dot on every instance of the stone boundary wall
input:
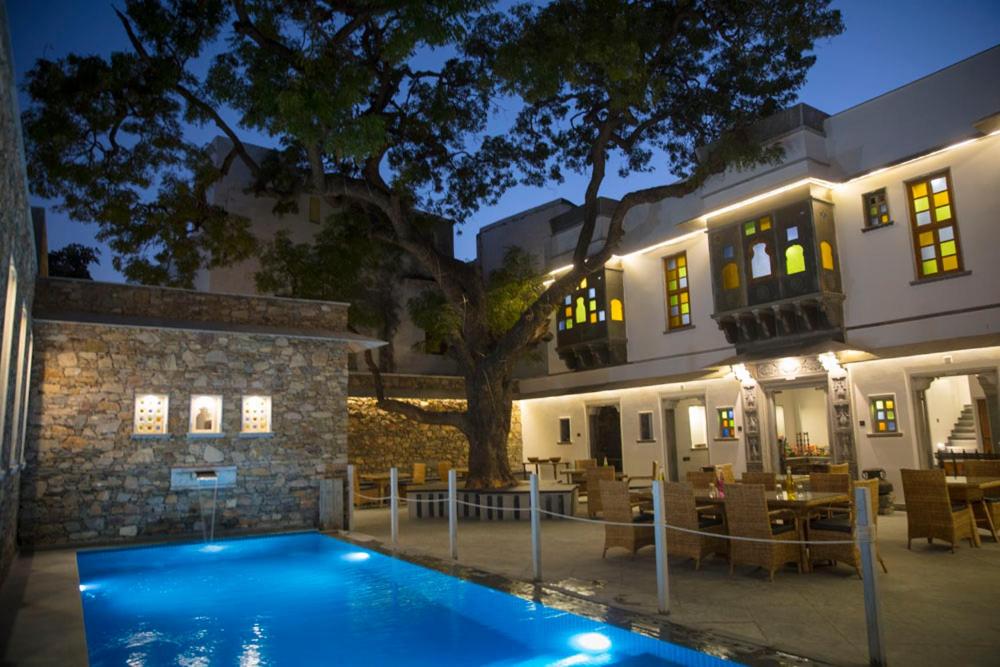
(89, 479)
(17, 246)
(378, 439)
(400, 385)
(70, 296)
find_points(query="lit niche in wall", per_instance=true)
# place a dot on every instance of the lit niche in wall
(256, 414)
(206, 414)
(150, 414)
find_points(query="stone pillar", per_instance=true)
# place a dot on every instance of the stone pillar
(842, 444)
(988, 381)
(922, 420)
(751, 426)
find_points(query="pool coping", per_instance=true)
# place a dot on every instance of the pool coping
(650, 625)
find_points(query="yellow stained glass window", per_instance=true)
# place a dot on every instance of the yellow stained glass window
(593, 318)
(795, 260)
(826, 255)
(765, 223)
(581, 311)
(730, 276)
(583, 284)
(932, 217)
(678, 306)
(617, 311)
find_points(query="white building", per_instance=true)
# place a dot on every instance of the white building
(844, 302)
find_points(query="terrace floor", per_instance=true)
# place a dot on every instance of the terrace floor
(938, 607)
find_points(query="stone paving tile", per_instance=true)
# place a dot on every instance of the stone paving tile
(938, 607)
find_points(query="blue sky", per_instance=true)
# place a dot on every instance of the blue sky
(885, 45)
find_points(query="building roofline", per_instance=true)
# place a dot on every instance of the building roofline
(525, 213)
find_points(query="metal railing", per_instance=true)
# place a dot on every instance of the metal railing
(864, 540)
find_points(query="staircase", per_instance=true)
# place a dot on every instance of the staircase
(963, 433)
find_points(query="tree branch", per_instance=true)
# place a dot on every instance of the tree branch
(246, 27)
(415, 412)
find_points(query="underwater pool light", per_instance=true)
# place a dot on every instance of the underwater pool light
(211, 548)
(356, 556)
(593, 642)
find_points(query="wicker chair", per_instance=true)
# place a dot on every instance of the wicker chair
(594, 477)
(683, 513)
(842, 528)
(828, 482)
(701, 480)
(584, 464)
(419, 475)
(747, 516)
(443, 468)
(725, 470)
(768, 480)
(839, 469)
(930, 512)
(991, 497)
(617, 507)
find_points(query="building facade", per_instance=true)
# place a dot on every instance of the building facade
(18, 266)
(839, 305)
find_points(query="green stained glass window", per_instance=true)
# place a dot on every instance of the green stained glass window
(877, 209)
(678, 296)
(883, 414)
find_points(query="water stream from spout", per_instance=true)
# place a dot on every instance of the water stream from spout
(208, 527)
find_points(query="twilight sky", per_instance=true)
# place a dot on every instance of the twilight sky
(886, 44)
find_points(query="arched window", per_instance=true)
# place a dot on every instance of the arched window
(795, 259)
(617, 314)
(826, 255)
(760, 260)
(581, 310)
(730, 276)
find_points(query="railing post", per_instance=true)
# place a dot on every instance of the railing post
(453, 513)
(660, 537)
(536, 538)
(866, 543)
(350, 496)
(394, 504)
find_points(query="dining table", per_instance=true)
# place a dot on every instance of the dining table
(381, 481)
(538, 463)
(973, 492)
(801, 506)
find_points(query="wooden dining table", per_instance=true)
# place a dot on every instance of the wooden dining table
(381, 481)
(973, 491)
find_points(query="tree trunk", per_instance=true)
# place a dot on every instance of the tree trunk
(488, 392)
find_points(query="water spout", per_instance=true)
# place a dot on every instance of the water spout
(204, 478)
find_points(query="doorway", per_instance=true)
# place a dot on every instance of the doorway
(685, 437)
(801, 432)
(606, 435)
(956, 415)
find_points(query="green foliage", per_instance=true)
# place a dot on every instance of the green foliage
(509, 291)
(342, 263)
(73, 261)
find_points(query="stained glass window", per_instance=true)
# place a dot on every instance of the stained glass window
(585, 305)
(884, 414)
(256, 414)
(826, 255)
(730, 276)
(150, 414)
(876, 209)
(795, 259)
(617, 311)
(935, 229)
(678, 297)
(760, 260)
(727, 423)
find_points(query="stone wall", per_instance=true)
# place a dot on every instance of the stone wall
(78, 297)
(89, 479)
(379, 439)
(17, 249)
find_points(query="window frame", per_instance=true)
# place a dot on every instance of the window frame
(217, 401)
(934, 226)
(679, 292)
(569, 431)
(720, 435)
(6, 352)
(645, 437)
(865, 205)
(165, 430)
(268, 404)
(873, 412)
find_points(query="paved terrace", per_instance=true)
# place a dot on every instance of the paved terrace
(938, 607)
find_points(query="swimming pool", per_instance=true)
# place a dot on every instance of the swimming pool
(308, 599)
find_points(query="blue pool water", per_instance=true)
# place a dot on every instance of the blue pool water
(307, 599)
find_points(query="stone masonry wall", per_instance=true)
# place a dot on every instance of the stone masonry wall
(61, 295)
(379, 439)
(90, 480)
(17, 248)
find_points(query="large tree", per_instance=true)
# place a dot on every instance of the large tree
(385, 107)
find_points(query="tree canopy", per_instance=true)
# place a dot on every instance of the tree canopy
(386, 109)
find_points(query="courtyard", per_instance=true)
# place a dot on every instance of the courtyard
(938, 607)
